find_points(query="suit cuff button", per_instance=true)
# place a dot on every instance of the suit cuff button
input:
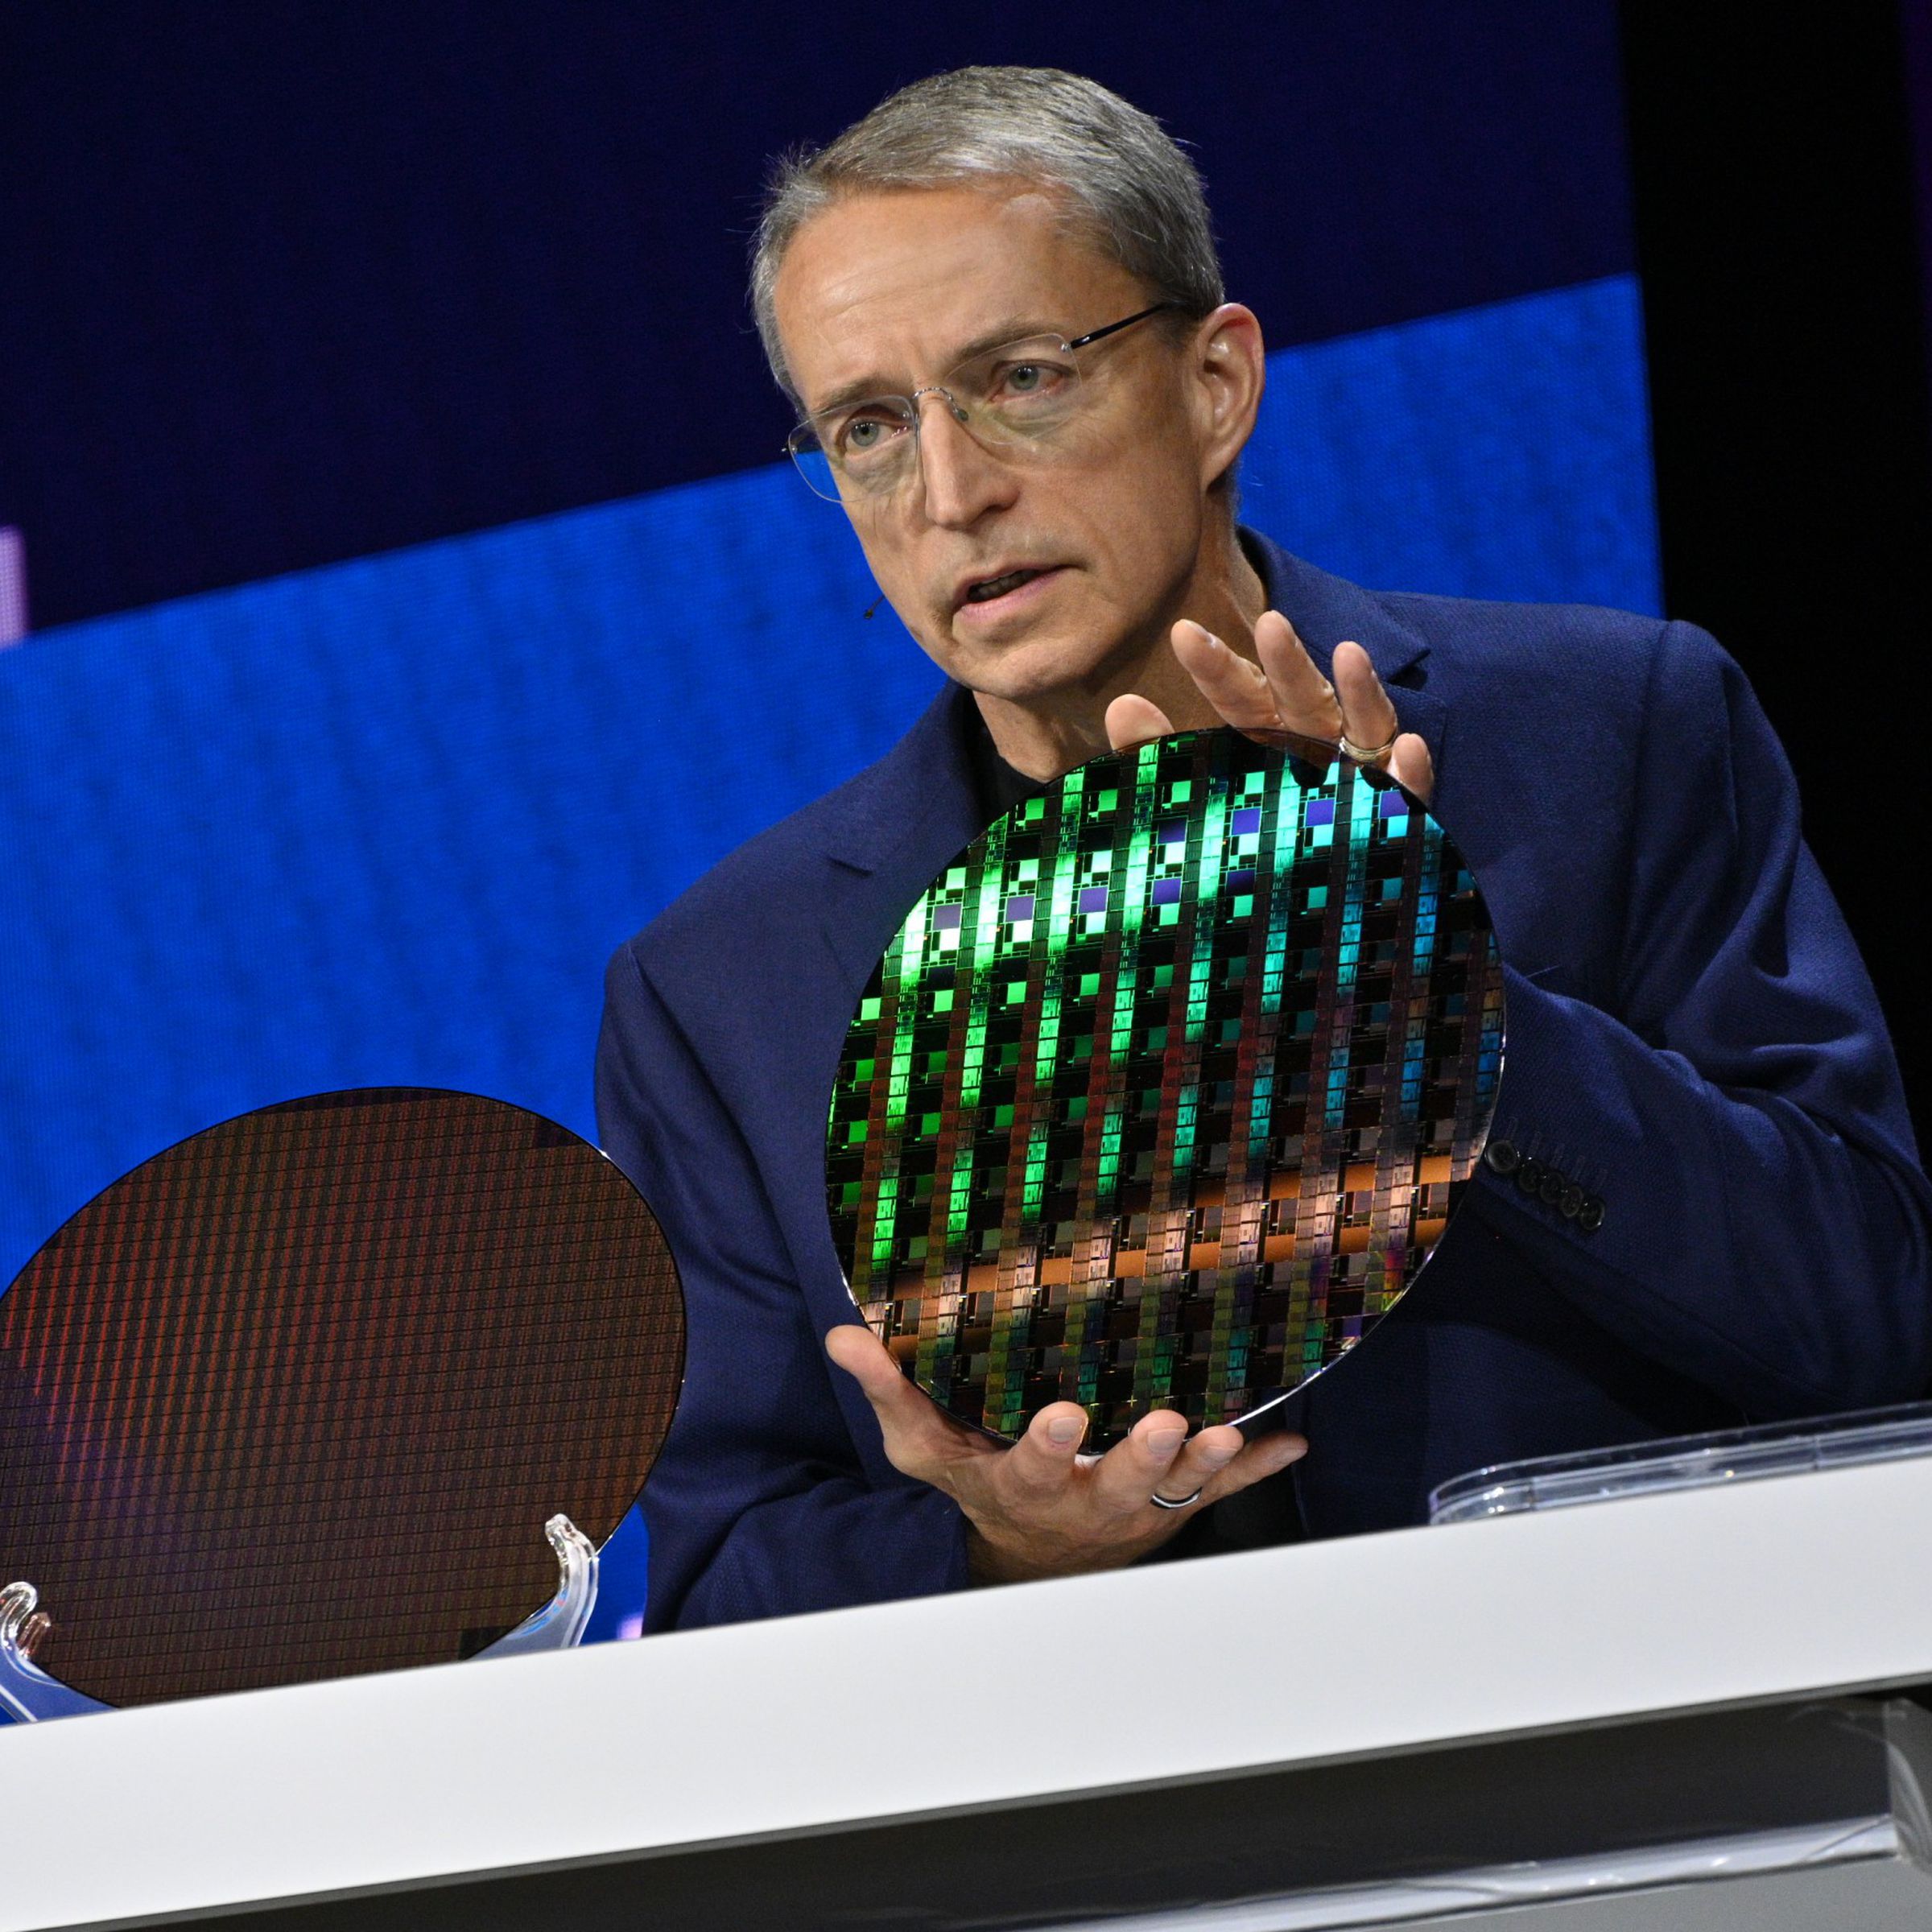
(1571, 1204)
(1554, 1185)
(1502, 1157)
(1590, 1215)
(1530, 1175)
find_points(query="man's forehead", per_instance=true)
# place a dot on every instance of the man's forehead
(890, 286)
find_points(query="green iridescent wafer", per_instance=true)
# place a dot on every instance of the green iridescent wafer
(1166, 1088)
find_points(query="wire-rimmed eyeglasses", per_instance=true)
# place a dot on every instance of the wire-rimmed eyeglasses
(1011, 398)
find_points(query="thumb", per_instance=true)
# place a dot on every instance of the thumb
(911, 1418)
(1133, 720)
(919, 1436)
(855, 1348)
(1411, 766)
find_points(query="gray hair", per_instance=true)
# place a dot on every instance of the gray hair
(1129, 187)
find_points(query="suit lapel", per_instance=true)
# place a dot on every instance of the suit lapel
(890, 843)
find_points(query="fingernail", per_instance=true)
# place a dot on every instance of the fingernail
(1165, 1442)
(1064, 1430)
(1214, 643)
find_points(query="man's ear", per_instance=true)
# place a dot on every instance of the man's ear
(1229, 369)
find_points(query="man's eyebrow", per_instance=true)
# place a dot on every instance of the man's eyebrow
(1014, 328)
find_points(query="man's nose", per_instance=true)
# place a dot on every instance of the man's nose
(960, 479)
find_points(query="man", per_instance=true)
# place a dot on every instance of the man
(1692, 1042)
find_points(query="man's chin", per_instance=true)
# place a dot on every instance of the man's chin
(1028, 671)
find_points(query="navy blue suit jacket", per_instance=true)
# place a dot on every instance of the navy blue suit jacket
(1690, 1035)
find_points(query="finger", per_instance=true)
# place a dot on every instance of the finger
(1252, 1463)
(1133, 720)
(1041, 1462)
(918, 1436)
(1306, 699)
(1411, 766)
(1201, 1460)
(1238, 689)
(1367, 715)
(1141, 1462)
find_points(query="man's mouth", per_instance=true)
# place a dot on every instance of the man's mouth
(987, 589)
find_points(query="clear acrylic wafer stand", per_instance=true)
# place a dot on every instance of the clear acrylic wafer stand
(28, 1694)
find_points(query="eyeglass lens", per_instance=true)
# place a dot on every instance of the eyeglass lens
(1007, 398)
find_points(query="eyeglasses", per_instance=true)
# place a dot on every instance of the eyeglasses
(1010, 399)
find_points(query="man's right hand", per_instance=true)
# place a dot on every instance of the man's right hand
(1040, 1508)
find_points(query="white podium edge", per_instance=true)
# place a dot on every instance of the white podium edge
(1361, 1648)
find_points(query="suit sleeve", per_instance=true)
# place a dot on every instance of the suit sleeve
(758, 1504)
(1764, 1220)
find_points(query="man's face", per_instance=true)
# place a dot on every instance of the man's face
(886, 293)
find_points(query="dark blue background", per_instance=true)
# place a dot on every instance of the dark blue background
(291, 282)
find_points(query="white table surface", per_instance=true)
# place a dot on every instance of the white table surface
(1372, 1645)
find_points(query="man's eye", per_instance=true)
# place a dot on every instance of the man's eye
(1028, 381)
(863, 435)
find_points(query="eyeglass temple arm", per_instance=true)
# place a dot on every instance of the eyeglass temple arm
(1112, 328)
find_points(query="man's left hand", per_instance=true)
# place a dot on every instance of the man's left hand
(1039, 1508)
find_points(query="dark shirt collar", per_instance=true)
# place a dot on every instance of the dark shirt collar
(997, 787)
